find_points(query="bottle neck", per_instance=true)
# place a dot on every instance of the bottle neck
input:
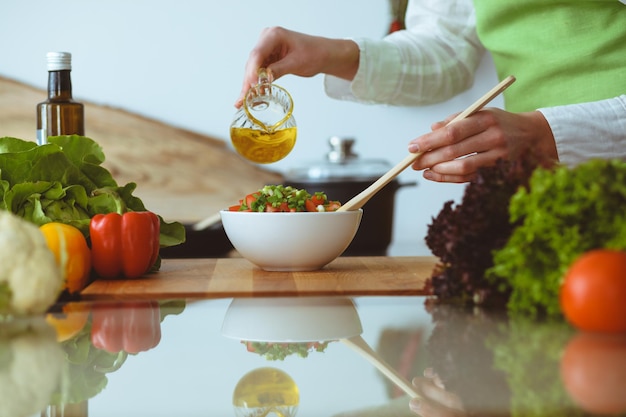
(59, 85)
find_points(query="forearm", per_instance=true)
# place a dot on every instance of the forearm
(342, 58)
(589, 130)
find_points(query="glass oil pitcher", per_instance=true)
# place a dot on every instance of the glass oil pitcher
(264, 129)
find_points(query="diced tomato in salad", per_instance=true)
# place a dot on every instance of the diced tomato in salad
(279, 198)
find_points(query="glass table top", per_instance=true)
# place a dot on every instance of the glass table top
(296, 356)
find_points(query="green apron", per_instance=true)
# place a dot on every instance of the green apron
(561, 52)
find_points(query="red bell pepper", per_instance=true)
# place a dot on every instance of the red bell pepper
(131, 327)
(124, 245)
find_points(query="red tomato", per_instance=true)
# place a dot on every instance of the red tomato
(593, 294)
(317, 200)
(250, 198)
(310, 205)
(333, 206)
(593, 371)
(281, 208)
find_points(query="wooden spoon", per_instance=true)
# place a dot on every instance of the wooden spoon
(363, 197)
(207, 222)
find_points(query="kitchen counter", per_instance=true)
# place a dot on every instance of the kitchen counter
(196, 330)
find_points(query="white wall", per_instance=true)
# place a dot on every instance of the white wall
(182, 62)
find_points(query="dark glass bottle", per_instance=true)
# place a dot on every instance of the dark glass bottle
(59, 114)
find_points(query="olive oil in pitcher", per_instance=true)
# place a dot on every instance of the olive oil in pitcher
(264, 129)
(261, 146)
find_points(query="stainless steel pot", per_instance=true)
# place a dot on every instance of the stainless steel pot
(341, 176)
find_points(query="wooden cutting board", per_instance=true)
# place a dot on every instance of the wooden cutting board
(236, 277)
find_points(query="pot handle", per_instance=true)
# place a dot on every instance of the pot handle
(407, 184)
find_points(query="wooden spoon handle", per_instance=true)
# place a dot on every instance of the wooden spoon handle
(363, 197)
(207, 222)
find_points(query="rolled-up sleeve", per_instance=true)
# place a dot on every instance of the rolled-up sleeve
(434, 59)
(589, 130)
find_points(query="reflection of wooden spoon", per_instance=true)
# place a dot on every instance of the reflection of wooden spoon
(360, 345)
(363, 197)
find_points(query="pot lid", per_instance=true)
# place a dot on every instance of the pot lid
(340, 164)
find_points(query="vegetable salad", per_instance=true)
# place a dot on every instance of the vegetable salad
(279, 198)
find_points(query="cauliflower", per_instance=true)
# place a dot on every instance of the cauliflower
(30, 367)
(30, 278)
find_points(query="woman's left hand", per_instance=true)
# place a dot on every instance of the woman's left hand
(435, 401)
(453, 153)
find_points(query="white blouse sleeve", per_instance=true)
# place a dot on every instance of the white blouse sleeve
(432, 61)
(589, 130)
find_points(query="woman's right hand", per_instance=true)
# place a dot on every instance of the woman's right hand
(283, 51)
(454, 153)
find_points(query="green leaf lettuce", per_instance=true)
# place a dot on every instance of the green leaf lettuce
(64, 181)
(564, 213)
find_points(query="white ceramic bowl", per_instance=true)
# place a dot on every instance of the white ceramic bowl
(291, 319)
(301, 241)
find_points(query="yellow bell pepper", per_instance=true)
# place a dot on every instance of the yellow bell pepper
(71, 252)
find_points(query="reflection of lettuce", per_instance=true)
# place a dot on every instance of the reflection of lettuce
(501, 365)
(171, 307)
(30, 367)
(64, 181)
(458, 354)
(86, 367)
(529, 352)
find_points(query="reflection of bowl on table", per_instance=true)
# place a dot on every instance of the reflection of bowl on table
(301, 241)
(287, 320)
(291, 319)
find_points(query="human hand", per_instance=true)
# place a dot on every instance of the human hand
(453, 153)
(435, 400)
(283, 51)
